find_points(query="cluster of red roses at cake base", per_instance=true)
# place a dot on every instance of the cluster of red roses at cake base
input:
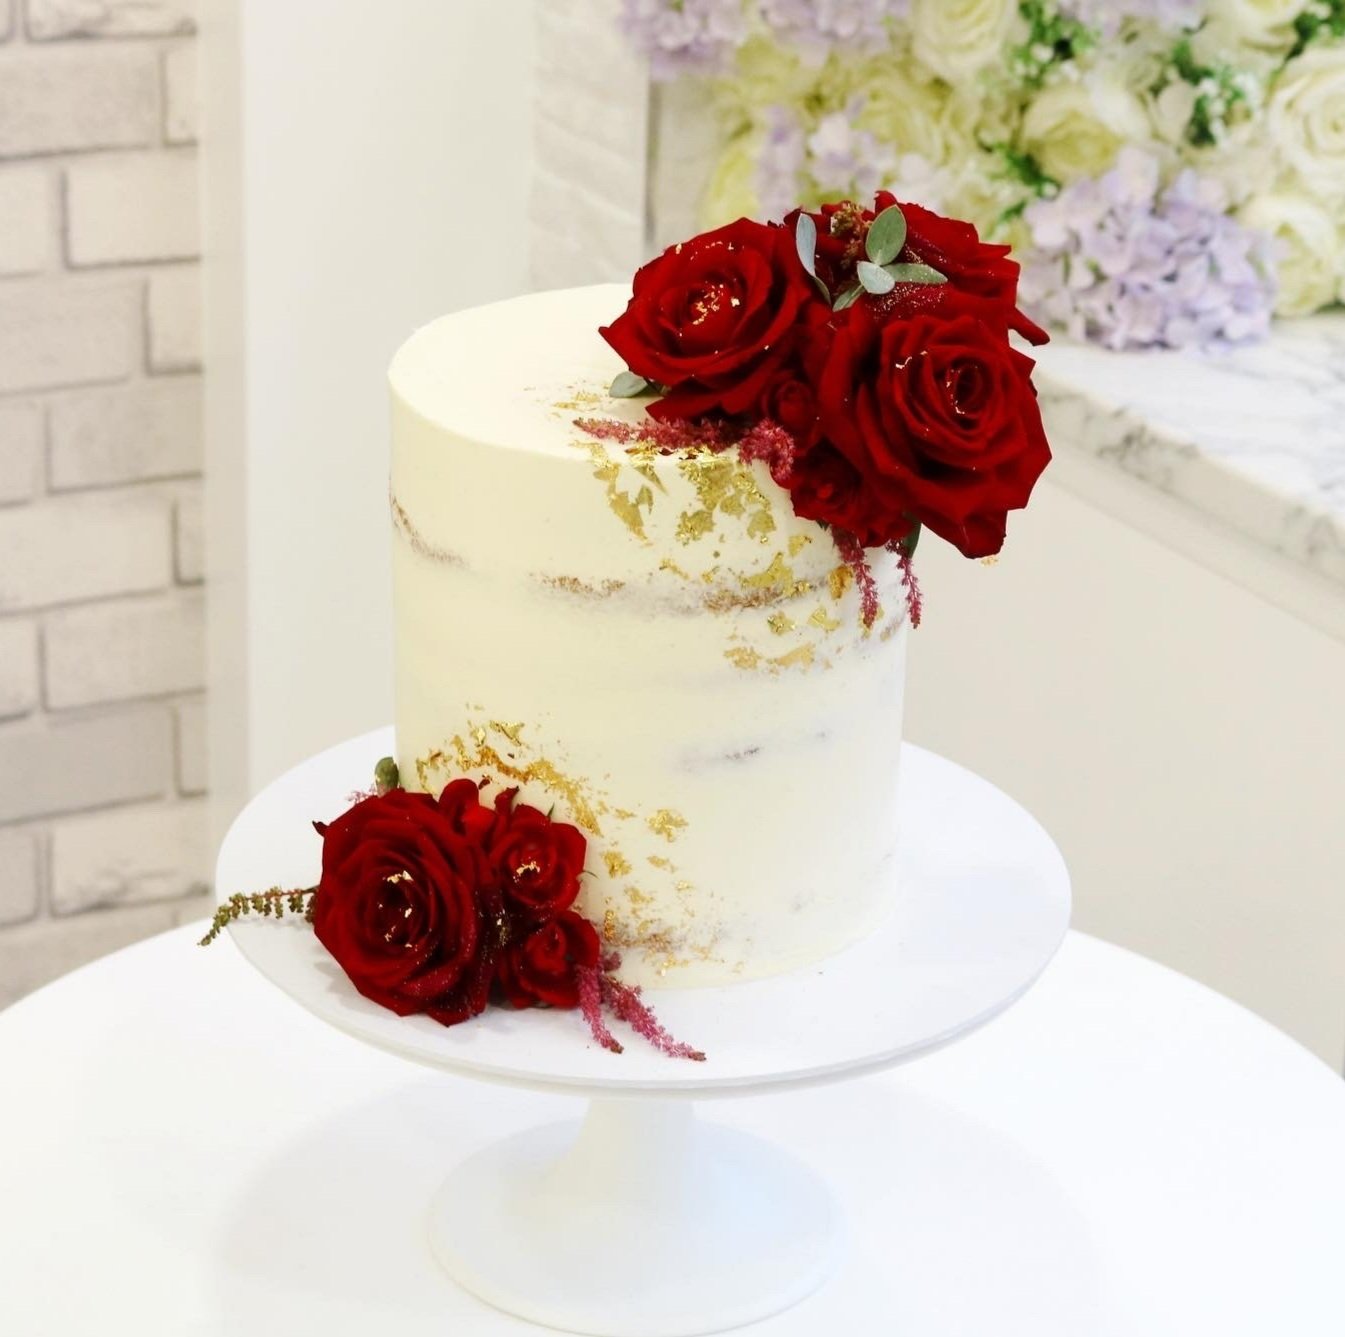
(903, 409)
(441, 906)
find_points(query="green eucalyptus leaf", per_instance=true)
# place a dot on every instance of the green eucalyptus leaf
(627, 385)
(822, 288)
(874, 278)
(847, 298)
(913, 274)
(908, 544)
(805, 239)
(887, 235)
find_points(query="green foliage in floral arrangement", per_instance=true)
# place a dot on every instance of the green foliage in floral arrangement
(1325, 19)
(1053, 39)
(1219, 91)
(1025, 169)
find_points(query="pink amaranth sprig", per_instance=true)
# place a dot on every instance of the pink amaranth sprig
(853, 555)
(590, 1006)
(915, 603)
(599, 988)
(773, 445)
(662, 436)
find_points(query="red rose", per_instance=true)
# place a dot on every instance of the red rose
(406, 905)
(938, 414)
(788, 399)
(824, 485)
(539, 861)
(954, 248)
(544, 967)
(712, 318)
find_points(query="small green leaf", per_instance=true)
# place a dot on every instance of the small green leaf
(627, 385)
(913, 274)
(805, 238)
(874, 278)
(847, 298)
(907, 545)
(887, 235)
(822, 288)
(385, 775)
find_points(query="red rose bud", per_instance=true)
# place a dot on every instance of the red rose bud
(538, 861)
(546, 967)
(406, 908)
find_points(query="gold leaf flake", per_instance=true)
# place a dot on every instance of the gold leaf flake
(781, 623)
(617, 863)
(660, 862)
(822, 619)
(801, 655)
(840, 580)
(742, 656)
(666, 823)
(798, 542)
(510, 731)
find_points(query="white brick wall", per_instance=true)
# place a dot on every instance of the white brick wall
(102, 759)
(140, 207)
(174, 324)
(20, 450)
(588, 205)
(92, 96)
(150, 429)
(108, 18)
(27, 227)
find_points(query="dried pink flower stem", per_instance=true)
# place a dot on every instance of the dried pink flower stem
(915, 602)
(628, 1006)
(853, 555)
(591, 981)
(663, 436)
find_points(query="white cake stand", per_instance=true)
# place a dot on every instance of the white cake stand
(643, 1221)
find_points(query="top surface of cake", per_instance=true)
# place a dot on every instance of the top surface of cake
(517, 373)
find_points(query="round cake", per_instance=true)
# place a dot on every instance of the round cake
(646, 641)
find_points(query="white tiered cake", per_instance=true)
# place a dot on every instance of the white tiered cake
(653, 644)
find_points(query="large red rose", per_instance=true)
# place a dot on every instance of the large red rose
(938, 415)
(713, 317)
(538, 861)
(408, 907)
(545, 966)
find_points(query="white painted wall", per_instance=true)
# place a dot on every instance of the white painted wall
(364, 173)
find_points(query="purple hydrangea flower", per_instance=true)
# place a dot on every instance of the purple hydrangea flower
(845, 161)
(1121, 261)
(781, 163)
(684, 36)
(823, 24)
(1107, 16)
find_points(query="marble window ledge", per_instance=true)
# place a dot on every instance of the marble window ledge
(1252, 438)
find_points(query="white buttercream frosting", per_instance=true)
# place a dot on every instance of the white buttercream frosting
(654, 644)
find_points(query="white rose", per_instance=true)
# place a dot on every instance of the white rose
(1262, 25)
(907, 113)
(1309, 242)
(1305, 120)
(957, 39)
(1076, 129)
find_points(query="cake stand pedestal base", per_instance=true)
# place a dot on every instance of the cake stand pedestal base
(641, 1221)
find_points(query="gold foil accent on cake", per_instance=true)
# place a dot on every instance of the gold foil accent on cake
(660, 862)
(694, 525)
(666, 823)
(629, 510)
(801, 656)
(840, 580)
(622, 814)
(780, 623)
(617, 863)
(823, 620)
(798, 542)
(610, 925)
(510, 731)
(724, 485)
(742, 656)
(778, 576)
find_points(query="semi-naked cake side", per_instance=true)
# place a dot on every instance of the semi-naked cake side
(649, 642)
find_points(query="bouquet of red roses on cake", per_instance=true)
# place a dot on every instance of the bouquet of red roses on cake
(864, 354)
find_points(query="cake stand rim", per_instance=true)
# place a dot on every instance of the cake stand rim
(675, 1079)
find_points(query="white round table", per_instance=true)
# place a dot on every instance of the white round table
(183, 1151)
